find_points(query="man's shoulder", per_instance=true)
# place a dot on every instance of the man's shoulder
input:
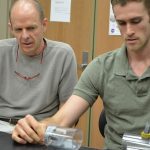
(8, 42)
(108, 60)
(58, 45)
(108, 56)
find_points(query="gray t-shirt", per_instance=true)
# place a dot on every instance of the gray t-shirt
(126, 97)
(41, 95)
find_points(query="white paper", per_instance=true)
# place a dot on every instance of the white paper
(60, 10)
(6, 127)
(113, 27)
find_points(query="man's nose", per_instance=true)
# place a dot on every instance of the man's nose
(129, 30)
(25, 34)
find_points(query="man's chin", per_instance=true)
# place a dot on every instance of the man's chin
(133, 48)
(28, 52)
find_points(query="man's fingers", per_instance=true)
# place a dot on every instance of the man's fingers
(26, 131)
(18, 139)
(37, 127)
(29, 130)
(20, 136)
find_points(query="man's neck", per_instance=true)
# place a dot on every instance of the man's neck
(41, 48)
(139, 62)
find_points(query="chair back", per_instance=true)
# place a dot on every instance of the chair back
(102, 122)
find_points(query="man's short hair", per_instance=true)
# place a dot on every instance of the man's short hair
(124, 2)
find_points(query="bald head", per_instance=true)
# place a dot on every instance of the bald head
(25, 6)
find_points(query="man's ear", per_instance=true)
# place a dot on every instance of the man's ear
(10, 27)
(45, 23)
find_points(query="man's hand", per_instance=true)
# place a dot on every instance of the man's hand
(29, 130)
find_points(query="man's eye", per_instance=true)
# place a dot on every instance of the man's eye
(121, 23)
(18, 30)
(31, 28)
(136, 21)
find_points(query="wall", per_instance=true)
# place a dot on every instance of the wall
(4, 6)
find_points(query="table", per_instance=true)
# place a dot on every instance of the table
(6, 143)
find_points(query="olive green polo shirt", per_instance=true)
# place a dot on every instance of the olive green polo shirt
(125, 96)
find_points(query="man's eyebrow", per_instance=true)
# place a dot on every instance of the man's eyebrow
(138, 17)
(134, 18)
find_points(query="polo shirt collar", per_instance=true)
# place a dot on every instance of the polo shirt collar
(121, 62)
(122, 67)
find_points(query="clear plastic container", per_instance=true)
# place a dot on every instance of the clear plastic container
(135, 142)
(65, 138)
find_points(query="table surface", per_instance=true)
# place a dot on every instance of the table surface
(6, 143)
